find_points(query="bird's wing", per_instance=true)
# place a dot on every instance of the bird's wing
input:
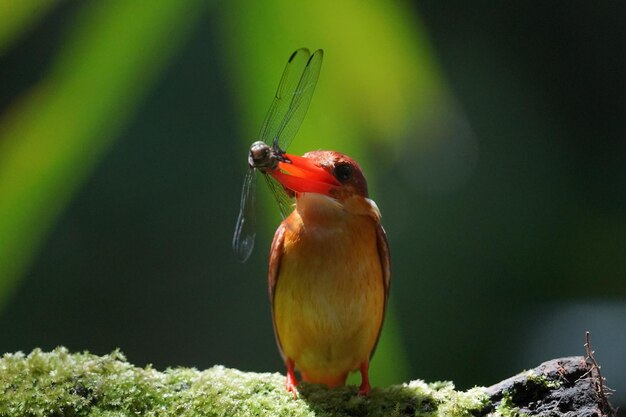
(385, 259)
(385, 263)
(276, 254)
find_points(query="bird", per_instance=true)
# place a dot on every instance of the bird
(329, 271)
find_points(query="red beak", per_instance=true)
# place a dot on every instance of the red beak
(303, 176)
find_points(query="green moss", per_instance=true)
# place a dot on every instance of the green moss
(507, 407)
(542, 380)
(60, 383)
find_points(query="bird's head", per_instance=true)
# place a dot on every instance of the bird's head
(326, 179)
(328, 173)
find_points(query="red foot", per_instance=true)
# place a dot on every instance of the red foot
(291, 378)
(365, 387)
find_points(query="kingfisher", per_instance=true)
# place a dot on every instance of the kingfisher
(329, 271)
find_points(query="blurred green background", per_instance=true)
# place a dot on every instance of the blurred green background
(493, 138)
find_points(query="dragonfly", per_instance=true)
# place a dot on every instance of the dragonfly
(282, 122)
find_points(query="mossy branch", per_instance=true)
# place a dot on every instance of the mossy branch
(60, 383)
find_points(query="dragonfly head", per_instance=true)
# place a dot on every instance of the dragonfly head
(263, 157)
(324, 172)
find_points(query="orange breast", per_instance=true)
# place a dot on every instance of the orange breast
(329, 297)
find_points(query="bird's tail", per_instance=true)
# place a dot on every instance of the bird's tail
(330, 381)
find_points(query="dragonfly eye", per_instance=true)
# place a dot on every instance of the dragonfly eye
(343, 172)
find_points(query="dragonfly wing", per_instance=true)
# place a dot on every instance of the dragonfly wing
(281, 124)
(285, 202)
(286, 88)
(300, 100)
(245, 231)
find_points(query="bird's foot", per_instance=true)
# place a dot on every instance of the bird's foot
(292, 382)
(291, 386)
(365, 387)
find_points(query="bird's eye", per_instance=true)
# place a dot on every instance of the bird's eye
(343, 172)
